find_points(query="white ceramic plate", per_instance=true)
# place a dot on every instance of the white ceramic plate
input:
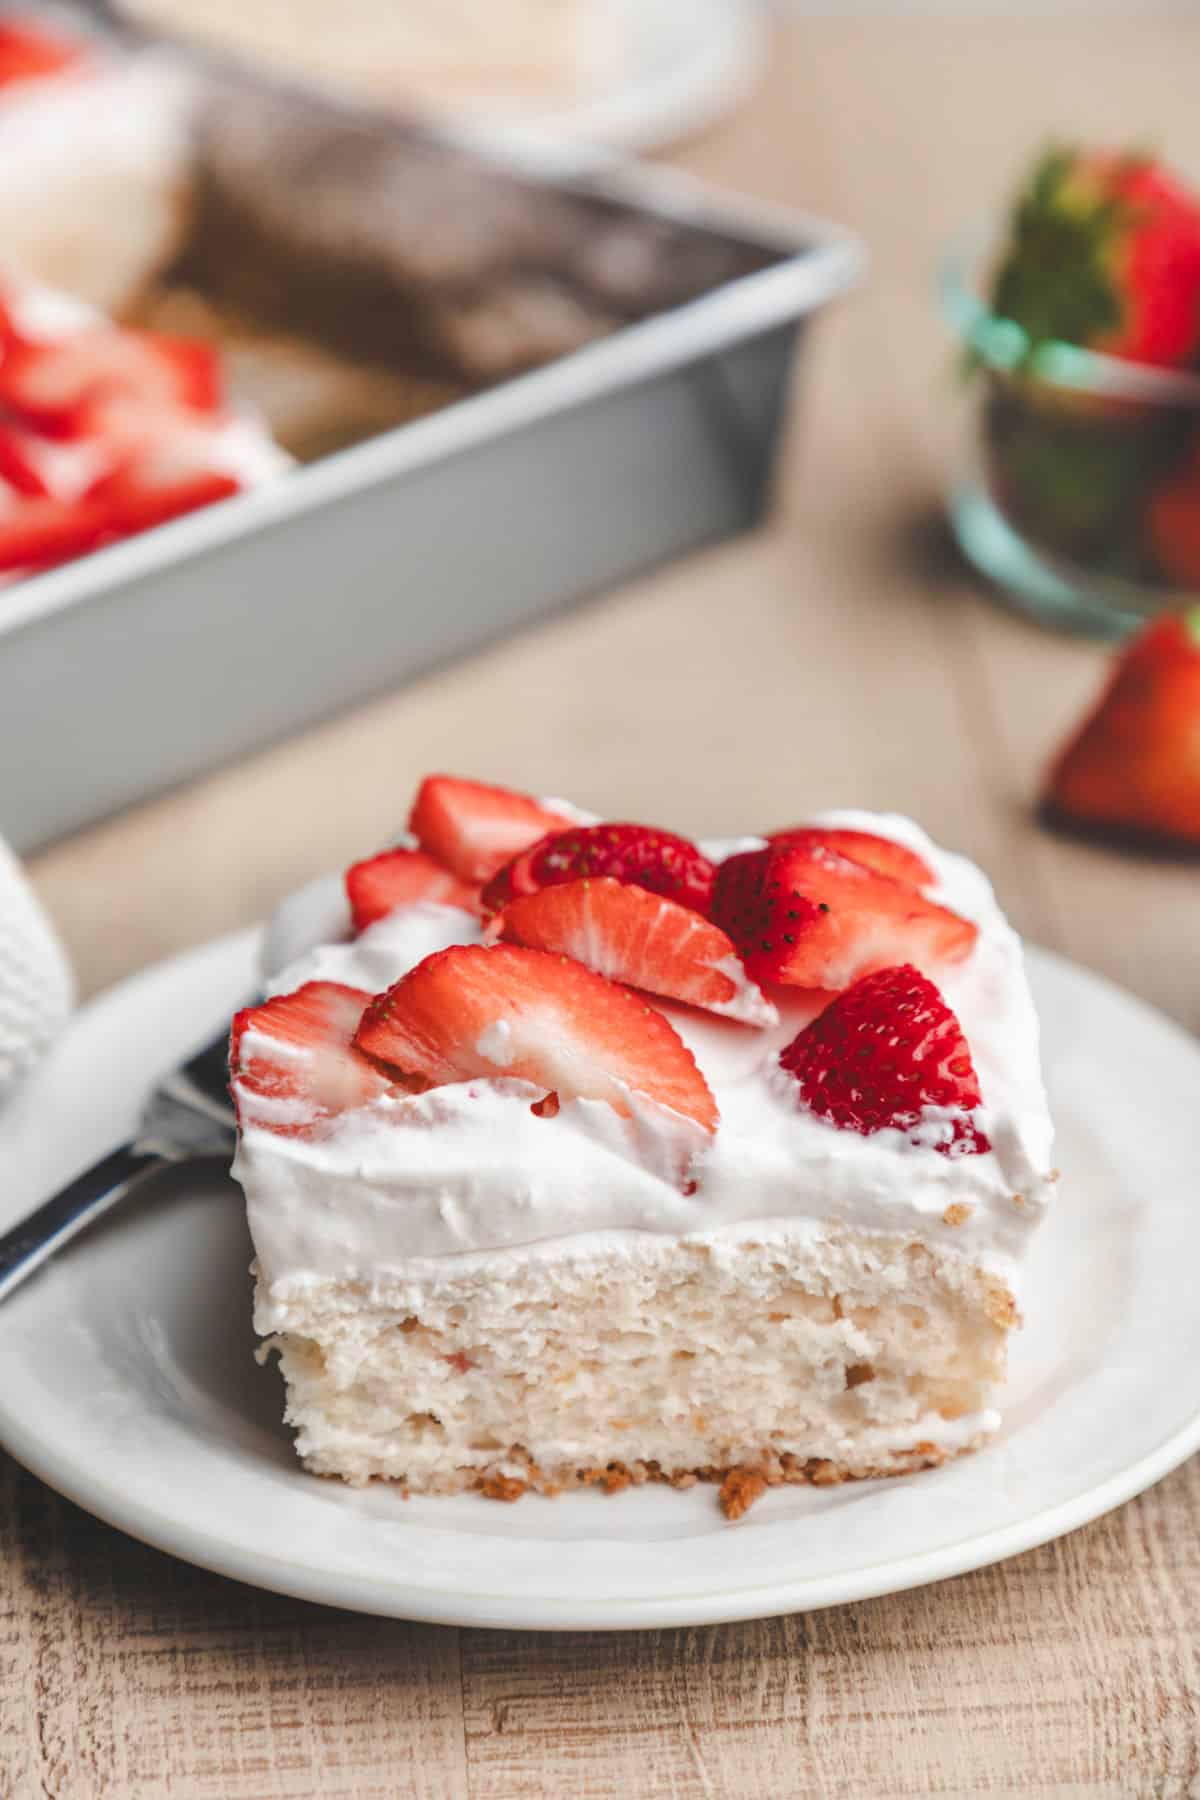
(127, 1379)
(685, 62)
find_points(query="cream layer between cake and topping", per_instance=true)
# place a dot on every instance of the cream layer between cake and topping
(463, 1170)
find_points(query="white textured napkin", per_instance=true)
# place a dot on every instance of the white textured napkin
(36, 985)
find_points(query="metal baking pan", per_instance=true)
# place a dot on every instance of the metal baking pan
(159, 658)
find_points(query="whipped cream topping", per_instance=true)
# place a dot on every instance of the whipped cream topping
(469, 1168)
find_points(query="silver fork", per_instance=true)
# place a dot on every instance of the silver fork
(187, 1117)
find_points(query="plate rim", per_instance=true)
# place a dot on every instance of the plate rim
(103, 1498)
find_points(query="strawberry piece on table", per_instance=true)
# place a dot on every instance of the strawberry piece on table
(54, 384)
(508, 1011)
(473, 828)
(1105, 253)
(18, 463)
(28, 52)
(1133, 767)
(882, 854)
(813, 918)
(882, 1055)
(400, 878)
(292, 1062)
(639, 938)
(659, 861)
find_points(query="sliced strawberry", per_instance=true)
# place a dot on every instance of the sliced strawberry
(9, 335)
(135, 428)
(292, 1062)
(512, 879)
(41, 533)
(139, 496)
(400, 878)
(18, 463)
(884, 855)
(28, 52)
(813, 918)
(504, 1010)
(54, 383)
(640, 854)
(474, 828)
(882, 1055)
(639, 938)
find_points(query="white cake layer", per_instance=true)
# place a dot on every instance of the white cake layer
(466, 1170)
(808, 1354)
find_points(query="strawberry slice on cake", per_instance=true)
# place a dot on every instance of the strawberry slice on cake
(474, 828)
(520, 1013)
(625, 932)
(889, 1055)
(402, 877)
(292, 1061)
(807, 916)
(660, 861)
(558, 1196)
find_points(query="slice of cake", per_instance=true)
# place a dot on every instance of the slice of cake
(576, 1152)
(106, 432)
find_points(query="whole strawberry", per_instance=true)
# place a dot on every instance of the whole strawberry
(1133, 767)
(1104, 253)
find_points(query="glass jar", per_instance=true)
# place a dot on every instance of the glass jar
(1076, 477)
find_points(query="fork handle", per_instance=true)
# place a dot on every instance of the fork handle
(26, 1246)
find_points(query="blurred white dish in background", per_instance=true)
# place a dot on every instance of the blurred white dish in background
(629, 74)
(428, 51)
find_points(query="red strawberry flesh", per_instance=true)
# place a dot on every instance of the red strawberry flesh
(639, 938)
(890, 1054)
(884, 855)
(28, 52)
(42, 532)
(1132, 768)
(659, 861)
(401, 877)
(813, 918)
(473, 828)
(292, 1062)
(508, 1011)
(52, 384)
(19, 465)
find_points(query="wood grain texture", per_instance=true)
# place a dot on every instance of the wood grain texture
(840, 655)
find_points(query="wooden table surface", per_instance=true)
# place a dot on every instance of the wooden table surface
(840, 655)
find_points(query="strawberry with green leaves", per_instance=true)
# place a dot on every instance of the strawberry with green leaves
(1104, 253)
